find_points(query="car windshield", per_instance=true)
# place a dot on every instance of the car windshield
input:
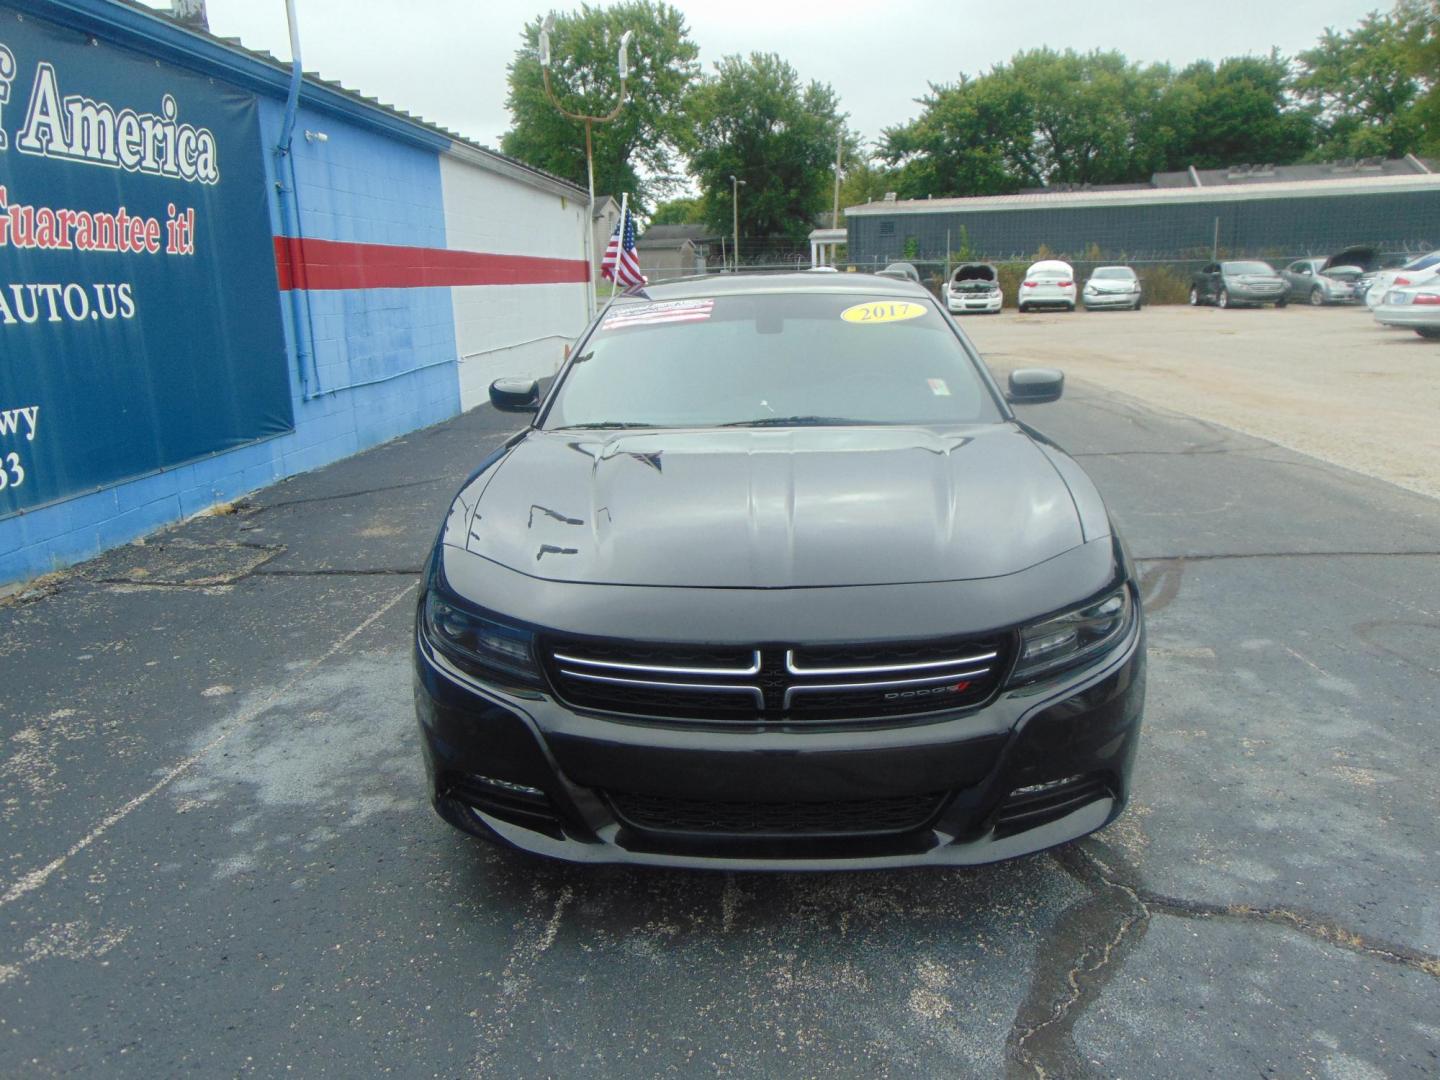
(772, 359)
(1248, 268)
(1424, 262)
(1114, 273)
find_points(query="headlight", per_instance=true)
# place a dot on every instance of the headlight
(1070, 640)
(480, 646)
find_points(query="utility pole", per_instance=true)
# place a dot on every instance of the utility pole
(546, 29)
(735, 186)
(839, 149)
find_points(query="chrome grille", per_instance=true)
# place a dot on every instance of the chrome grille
(776, 684)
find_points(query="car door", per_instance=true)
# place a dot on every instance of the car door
(1210, 281)
(1299, 276)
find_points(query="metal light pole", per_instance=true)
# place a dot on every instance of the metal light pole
(546, 28)
(735, 186)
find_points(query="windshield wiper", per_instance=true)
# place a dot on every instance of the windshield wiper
(798, 421)
(602, 425)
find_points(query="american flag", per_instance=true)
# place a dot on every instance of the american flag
(621, 265)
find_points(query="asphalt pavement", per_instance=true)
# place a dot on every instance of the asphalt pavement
(218, 858)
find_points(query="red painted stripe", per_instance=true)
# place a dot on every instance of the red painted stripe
(335, 264)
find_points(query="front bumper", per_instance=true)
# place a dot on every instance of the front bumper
(1241, 294)
(1109, 300)
(529, 771)
(983, 303)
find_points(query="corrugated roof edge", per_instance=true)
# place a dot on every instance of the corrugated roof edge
(135, 25)
(1236, 193)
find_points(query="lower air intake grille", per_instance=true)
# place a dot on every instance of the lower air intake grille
(1028, 808)
(515, 803)
(864, 817)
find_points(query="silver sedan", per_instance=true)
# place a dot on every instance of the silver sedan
(1312, 281)
(1112, 287)
(1413, 307)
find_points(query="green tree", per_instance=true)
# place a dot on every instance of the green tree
(637, 151)
(753, 119)
(1237, 112)
(863, 181)
(1083, 110)
(1421, 21)
(973, 137)
(1363, 85)
(1050, 117)
(679, 212)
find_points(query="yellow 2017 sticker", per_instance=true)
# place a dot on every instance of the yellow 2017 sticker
(883, 311)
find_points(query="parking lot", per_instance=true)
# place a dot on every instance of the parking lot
(1329, 382)
(218, 857)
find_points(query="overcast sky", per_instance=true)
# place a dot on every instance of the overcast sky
(445, 59)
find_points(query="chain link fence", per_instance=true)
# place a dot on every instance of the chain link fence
(1166, 277)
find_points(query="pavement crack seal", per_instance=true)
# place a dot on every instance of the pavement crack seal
(1095, 933)
(1317, 928)
(1160, 584)
(364, 571)
(533, 940)
(258, 508)
(29, 882)
(1072, 967)
(1330, 933)
(1223, 556)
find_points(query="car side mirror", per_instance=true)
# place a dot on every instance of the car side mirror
(515, 395)
(1035, 386)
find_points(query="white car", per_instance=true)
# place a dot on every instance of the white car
(1413, 307)
(1048, 283)
(1112, 287)
(1381, 282)
(974, 287)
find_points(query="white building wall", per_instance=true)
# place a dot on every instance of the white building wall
(520, 328)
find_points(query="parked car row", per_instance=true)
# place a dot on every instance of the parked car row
(974, 288)
(1407, 295)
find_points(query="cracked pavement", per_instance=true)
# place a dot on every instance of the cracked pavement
(217, 854)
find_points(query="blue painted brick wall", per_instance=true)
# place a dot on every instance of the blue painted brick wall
(355, 186)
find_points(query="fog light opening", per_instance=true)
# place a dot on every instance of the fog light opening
(508, 786)
(1049, 785)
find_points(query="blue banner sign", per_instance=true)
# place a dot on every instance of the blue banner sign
(139, 315)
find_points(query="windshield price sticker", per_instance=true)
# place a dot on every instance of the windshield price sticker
(883, 311)
(673, 311)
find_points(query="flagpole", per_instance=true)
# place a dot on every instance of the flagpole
(624, 230)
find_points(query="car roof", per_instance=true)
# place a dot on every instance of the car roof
(1059, 266)
(709, 285)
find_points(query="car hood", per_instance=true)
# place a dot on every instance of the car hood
(973, 274)
(753, 508)
(1363, 257)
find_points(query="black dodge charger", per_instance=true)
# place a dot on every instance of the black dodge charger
(775, 578)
